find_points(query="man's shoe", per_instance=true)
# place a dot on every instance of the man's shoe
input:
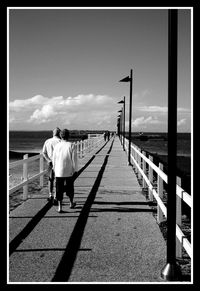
(55, 202)
(73, 205)
(50, 198)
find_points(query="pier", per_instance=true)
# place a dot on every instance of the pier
(110, 236)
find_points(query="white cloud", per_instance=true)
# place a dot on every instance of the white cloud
(153, 109)
(42, 115)
(77, 110)
(24, 104)
(141, 121)
(161, 109)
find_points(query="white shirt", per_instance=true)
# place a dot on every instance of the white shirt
(65, 159)
(49, 145)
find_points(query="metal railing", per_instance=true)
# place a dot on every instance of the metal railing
(83, 147)
(140, 162)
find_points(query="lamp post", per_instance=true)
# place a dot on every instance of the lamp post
(129, 79)
(118, 125)
(171, 271)
(121, 124)
(120, 118)
(123, 102)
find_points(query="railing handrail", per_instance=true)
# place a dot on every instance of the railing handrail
(180, 192)
(95, 141)
(21, 162)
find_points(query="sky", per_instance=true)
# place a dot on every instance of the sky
(65, 66)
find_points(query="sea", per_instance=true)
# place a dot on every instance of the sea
(31, 142)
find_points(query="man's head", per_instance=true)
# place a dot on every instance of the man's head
(56, 132)
(64, 134)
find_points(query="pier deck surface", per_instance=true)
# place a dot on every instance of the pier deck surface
(111, 235)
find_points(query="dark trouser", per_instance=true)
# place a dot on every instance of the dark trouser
(51, 177)
(51, 172)
(64, 184)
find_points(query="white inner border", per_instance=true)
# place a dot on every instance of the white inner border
(102, 8)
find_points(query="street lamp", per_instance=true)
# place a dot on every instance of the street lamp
(118, 126)
(129, 79)
(120, 116)
(171, 271)
(123, 102)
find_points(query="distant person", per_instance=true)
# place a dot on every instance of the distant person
(108, 135)
(104, 135)
(65, 168)
(47, 151)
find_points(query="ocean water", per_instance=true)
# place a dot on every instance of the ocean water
(21, 142)
(31, 142)
(156, 144)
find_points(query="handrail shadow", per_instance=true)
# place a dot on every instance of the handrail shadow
(65, 266)
(36, 219)
(28, 228)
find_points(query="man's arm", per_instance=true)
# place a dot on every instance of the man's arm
(45, 155)
(74, 158)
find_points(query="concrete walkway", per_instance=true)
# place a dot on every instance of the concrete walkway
(111, 235)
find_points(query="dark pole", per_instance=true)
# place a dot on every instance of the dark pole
(170, 271)
(118, 126)
(121, 126)
(130, 118)
(124, 125)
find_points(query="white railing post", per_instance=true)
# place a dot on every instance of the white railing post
(86, 146)
(92, 143)
(150, 179)
(144, 184)
(77, 146)
(134, 155)
(178, 220)
(41, 170)
(136, 160)
(25, 177)
(139, 164)
(160, 216)
(83, 147)
(81, 150)
(131, 153)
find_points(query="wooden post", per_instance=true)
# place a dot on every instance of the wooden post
(150, 179)
(144, 184)
(25, 177)
(84, 146)
(160, 216)
(135, 160)
(139, 163)
(81, 148)
(41, 170)
(178, 219)
(77, 146)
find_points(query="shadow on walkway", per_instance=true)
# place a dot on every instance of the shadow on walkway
(36, 219)
(65, 266)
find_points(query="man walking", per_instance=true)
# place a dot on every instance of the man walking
(47, 151)
(65, 168)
